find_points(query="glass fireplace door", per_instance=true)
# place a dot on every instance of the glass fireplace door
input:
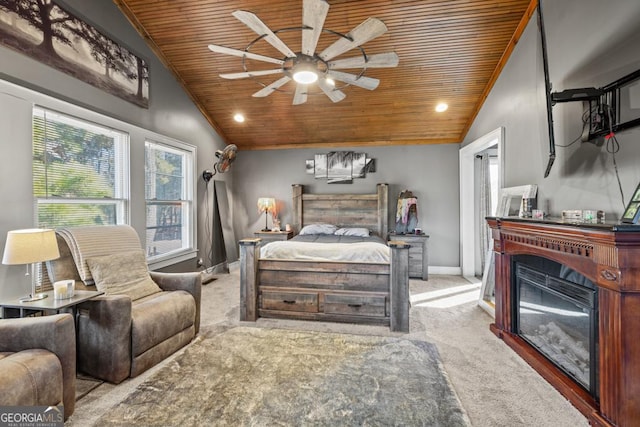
(558, 318)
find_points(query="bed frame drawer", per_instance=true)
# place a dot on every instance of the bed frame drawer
(359, 305)
(290, 301)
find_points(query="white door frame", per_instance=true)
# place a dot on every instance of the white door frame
(467, 188)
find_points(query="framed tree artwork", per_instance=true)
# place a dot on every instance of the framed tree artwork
(56, 37)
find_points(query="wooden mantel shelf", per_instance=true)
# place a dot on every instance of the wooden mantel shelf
(608, 255)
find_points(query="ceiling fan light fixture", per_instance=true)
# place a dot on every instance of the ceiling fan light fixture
(305, 77)
(308, 66)
(305, 70)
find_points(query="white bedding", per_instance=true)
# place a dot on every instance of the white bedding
(372, 252)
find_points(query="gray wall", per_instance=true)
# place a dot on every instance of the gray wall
(590, 43)
(171, 113)
(430, 171)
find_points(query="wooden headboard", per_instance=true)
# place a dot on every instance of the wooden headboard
(343, 210)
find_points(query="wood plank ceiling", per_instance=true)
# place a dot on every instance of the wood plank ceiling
(450, 51)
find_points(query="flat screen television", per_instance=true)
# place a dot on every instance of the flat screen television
(547, 85)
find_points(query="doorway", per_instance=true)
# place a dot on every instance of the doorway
(469, 189)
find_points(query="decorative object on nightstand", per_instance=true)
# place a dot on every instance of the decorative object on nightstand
(266, 205)
(418, 253)
(406, 212)
(30, 246)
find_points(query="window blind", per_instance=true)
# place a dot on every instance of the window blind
(80, 171)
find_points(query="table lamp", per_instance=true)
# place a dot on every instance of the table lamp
(266, 205)
(30, 246)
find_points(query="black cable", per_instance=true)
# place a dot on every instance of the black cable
(585, 122)
(571, 143)
(613, 147)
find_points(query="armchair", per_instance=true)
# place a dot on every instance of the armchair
(38, 362)
(143, 316)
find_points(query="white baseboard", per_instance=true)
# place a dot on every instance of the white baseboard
(451, 271)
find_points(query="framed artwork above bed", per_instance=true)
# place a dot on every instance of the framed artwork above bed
(340, 167)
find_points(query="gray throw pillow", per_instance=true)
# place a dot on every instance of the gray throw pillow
(123, 274)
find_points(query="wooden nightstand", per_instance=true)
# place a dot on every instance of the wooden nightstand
(418, 253)
(273, 236)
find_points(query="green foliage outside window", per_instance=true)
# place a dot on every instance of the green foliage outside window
(74, 172)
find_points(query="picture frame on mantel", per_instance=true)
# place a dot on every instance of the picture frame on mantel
(631, 213)
(510, 203)
(511, 200)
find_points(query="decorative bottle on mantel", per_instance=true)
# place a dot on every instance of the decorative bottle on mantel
(406, 213)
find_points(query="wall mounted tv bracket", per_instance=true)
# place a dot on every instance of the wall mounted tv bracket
(614, 107)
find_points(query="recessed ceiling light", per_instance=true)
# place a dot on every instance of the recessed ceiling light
(238, 118)
(441, 107)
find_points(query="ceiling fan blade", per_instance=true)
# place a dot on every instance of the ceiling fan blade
(250, 74)
(362, 81)
(300, 96)
(314, 13)
(378, 60)
(367, 30)
(252, 21)
(334, 94)
(241, 53)
(268, 90)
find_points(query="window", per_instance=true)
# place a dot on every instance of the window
(80, 171)
(169, 198)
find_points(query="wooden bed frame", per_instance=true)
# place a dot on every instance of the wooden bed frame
(352, 292)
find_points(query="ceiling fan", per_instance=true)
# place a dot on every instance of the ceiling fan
(308, 67)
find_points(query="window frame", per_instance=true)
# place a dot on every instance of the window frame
(188, 249)
(137, 135)
(122, 185)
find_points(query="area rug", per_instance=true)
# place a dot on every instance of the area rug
(247, 376)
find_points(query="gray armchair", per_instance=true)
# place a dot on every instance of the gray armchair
(120, 338)
(38, 362)
(122, 334)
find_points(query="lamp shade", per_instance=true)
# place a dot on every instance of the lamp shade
(30, 245)
(266, 204)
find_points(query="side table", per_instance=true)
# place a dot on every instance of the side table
(48, 304)
(418, 253)
(273, 236)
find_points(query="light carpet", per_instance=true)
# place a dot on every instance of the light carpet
(250, 376)
(496, 387)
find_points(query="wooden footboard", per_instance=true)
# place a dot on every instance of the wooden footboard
(325, 291)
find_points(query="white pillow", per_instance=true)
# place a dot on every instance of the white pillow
(359, 232)
(318, 229)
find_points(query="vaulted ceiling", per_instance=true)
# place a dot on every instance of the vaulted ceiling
(449, 51)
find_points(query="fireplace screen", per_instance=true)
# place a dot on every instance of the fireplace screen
(559, 318)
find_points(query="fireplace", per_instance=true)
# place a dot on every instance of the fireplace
(567, 300)
(555, 311)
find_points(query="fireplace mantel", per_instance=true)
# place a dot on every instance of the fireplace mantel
(608, 255)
